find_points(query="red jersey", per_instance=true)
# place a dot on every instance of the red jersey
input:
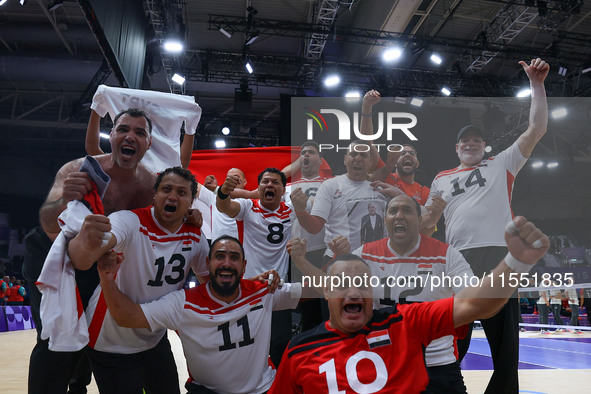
(386, 356)
(416, 190)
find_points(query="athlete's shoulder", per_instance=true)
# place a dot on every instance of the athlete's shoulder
(376, 246)
(311, 340)
(447, 172)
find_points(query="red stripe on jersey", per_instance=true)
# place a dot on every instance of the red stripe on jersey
(430, 251)
(199, 301)
(453, 171)
(303, 181)
(147, 222)
(510, 180)
(170, 238)
(79, 306)
(458, 169)
(96, 323)
(240, 228)
(283, 212)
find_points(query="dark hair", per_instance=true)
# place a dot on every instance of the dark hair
(134, 113)
(225, 238)
(312, 144)
(346, 257)
(417, 204)
(273, 170)
(415, 149)
(183, 173)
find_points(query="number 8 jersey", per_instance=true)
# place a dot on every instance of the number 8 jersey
(264, 234)
(478, 199)
(156, 262)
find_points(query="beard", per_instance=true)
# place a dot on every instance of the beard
(225, 289)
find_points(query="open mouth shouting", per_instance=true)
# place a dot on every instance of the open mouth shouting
(127, 151)
(352, 310)
(226, 275)
(399, 228)
(269, 195)
(170, 208)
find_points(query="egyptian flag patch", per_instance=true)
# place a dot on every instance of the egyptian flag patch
(186, 245)
(378, 338)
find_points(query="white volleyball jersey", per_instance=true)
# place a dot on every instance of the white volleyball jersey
(205, 202)
(478, 199)
(264, 236)
(310, 188)
(428, 260)
(226, 345)
(343, 203)
(167, 111)
(156, 262)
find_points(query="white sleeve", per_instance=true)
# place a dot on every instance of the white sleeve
(511, 158)
(98, 102)
(245, 206)
(358, 251)
(322, 201)
(457, 266)
(165, 312)
(433, 191)
(123, 224)
(193, 118)
(207, 196)
(198, 263)
(287, 297)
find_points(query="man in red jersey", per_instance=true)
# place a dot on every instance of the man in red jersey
(363, 350)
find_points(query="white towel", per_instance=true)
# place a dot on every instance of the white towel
(61, 311)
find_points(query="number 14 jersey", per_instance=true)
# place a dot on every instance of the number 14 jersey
(478, 199)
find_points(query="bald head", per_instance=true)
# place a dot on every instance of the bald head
(240, 173)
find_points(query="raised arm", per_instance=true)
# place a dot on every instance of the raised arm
(311, 223)
(92, 143)
(486, 300)
(226, 205)
(292, 168)
(125, 312)
(187, 149)
(370, 98)
(69, 184)
(536, 71)
(88, 246)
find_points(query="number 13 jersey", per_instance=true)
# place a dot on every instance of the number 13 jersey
(156, 262)
(478, 199)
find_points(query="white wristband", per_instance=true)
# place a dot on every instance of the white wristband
(517, 265)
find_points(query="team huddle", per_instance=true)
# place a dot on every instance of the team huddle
(122, 237)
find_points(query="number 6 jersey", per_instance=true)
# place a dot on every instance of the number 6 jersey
(156, 262)
(478, 199)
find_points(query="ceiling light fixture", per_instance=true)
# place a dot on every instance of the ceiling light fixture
(559, 113)
(446, 91)
(537, 164)
(332, 80)
(248, 67)
(173, 46)
(178, 78)
(225, 32)
(524, 93)
(435, 58)
(392, 54)
(220, 144)
(488, 149)
(225, 130)
(552, 164)
(417, 102)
